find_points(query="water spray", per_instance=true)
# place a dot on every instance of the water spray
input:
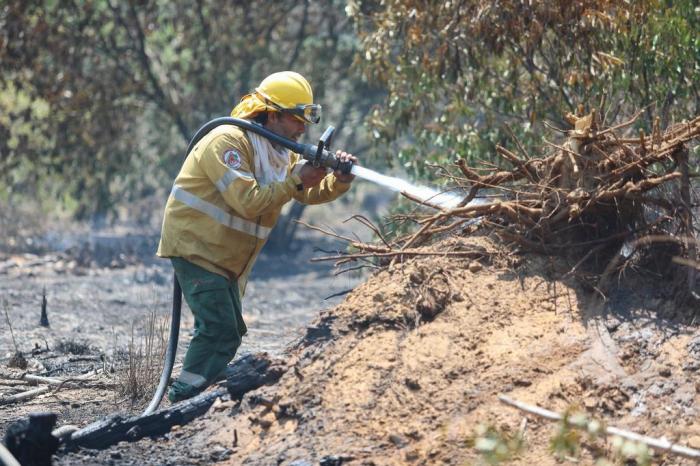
(441, 199)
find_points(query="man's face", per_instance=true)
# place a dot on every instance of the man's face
(285, 125)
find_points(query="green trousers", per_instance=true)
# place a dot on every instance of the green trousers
(218, 327)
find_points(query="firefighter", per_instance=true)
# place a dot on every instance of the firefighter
(221, 210)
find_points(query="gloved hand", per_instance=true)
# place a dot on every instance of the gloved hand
(311, 176)
(344, 157)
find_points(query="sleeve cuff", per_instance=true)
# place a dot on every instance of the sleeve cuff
(293, 183)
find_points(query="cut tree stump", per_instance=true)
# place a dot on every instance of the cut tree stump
(246, 374)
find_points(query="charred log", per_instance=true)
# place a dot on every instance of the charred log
(30, 440)
(246, 374)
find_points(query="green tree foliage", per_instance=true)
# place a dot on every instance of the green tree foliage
(459, 71)
(99, 98)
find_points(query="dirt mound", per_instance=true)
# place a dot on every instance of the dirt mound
(412, 362)
(410, 365)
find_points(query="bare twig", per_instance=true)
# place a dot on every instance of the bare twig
(325, 232)
(554, 128)
(522, 166)
(421, 201)
(9, 324)
(363, 220)
(627, 123)
(359, 267)
(417, 235)
(522, 150)
(88, 376)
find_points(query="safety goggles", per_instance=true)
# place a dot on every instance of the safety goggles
(308, 113)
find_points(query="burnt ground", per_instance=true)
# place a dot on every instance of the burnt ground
(102, 289)
(410, 365)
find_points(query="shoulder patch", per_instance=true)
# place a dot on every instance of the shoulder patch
(232, 159)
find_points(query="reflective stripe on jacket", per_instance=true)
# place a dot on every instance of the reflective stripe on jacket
(218, 216)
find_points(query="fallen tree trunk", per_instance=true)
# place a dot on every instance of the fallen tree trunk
(246, 374)
(114, 429)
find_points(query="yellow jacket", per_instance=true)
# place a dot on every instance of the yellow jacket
(218, 216)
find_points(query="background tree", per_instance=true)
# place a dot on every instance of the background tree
(458, 72)
(99, 99)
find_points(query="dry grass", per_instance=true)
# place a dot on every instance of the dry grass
(145, 356)
(17, 360)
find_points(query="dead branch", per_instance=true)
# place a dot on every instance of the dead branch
(359, 267)
(554, 128)
(13, 382)
(627, 123)
(407, 252)
(660, 444)
(40, 379)
(445, 228)
(421, 201)
(418, 234)
(9, 324)
(6, 400)
(81, 378)
(522, 166)
(517, 142)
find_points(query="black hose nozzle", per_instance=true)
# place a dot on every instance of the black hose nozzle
(327, 160)
(321, 156)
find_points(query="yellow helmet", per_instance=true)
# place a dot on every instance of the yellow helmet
(285, 91)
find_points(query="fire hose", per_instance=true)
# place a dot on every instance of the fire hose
(318, 155)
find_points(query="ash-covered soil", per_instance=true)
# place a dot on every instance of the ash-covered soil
(101, 290)
(407, 367)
